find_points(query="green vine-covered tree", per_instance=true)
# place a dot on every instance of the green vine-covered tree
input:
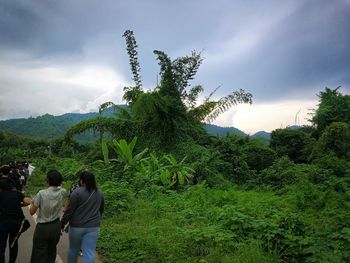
(164, 115)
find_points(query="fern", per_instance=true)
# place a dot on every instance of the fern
(227, 102)
(192, 96)
(163, 61)
(131, 46)
(185, 68)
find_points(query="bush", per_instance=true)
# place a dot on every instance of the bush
(295, 144)
(233, 166)
(258, 156)
(279, 174)
(206, 164)
(335, 165)
(118, 197)
(335, 139)
(176, 228)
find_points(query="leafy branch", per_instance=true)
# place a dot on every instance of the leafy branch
(131, 93)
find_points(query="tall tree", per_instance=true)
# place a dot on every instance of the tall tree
(166, 113)
(132, 92)
(333, 107)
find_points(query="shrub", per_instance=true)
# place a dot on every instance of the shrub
(279, 174)
(295, 144)
(118, 197)
(335, 139)
(258, 156)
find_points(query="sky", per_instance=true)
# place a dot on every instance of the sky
(69, 55)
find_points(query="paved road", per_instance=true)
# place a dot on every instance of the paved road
(25, 244)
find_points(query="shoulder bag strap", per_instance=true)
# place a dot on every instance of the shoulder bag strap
(86, 200)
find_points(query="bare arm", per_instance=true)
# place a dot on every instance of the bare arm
(65, 204)
(32, 209)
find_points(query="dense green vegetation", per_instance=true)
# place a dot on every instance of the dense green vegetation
(174, 193)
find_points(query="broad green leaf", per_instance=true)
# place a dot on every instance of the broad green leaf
(105, 151)
(132, 144)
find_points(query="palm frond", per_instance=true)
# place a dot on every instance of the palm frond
(185, 68)
(105, 106)
(211, 94)
(98, 123)
(164, 61)
(229, 101)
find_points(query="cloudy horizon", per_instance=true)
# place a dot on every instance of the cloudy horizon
(69, 56)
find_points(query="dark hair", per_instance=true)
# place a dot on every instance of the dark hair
(54, 178)
(6, 184)
(5, 169)
(88, 179)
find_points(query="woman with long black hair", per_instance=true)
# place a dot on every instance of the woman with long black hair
(85, 207)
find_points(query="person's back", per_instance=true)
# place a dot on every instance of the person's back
(51, 201)
(85, 207)
(10, 204)
(48, 204)
(11, 216)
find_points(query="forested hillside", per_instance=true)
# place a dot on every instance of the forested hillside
(49, 126)
(175, 193)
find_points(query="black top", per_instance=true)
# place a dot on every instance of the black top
(11, 205)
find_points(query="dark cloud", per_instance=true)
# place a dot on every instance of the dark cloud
(306, 50)
(274, 49)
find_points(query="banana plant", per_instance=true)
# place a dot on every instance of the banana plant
(125, 152)
(105, 151)
(166, 178)
(167, 170)
(150, 167)
(179, 172)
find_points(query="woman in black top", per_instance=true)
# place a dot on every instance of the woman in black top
(11, 216)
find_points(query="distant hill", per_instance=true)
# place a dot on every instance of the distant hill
(222, 131)
(49, 126)
(263, 135)
(294, 127)
(266, 136)
(46, 126)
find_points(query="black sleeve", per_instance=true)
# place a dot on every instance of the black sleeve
(20, 196)
(72, 205)
(102, 206)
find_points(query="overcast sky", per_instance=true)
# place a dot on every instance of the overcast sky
(59, 56)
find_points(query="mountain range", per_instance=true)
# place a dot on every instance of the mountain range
(49, 126)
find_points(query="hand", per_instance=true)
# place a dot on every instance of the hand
(62, 227)
(26, 201)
